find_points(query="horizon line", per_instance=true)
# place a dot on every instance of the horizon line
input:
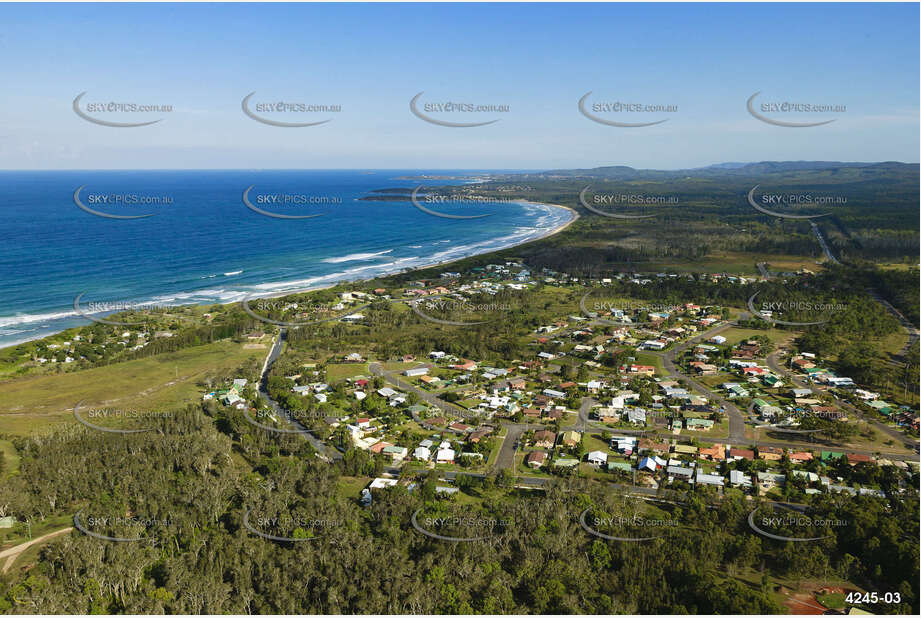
(436, 169)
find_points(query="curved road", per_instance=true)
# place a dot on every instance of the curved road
(323, 450)
(777, 367)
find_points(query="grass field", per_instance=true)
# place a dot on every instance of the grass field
(337, 373)
(737, 263)
(10, 457)
(735, 335)
(165, 381)
(645, 358)
(19, 533)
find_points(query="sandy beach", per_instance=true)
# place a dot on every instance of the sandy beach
(556, 230)
(574, 215)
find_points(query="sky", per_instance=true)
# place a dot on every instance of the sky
(539, 60)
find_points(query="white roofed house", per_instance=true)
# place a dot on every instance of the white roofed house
(598, 458)
(737, 478)
(422, 453)
(709, 479)
(445, 455)
(637, 416)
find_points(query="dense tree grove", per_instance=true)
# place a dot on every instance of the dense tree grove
(191, 482)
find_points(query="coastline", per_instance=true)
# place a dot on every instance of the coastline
(573, 216)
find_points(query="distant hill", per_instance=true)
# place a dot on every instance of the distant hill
(848, 170)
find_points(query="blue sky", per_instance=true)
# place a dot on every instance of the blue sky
(538, 59)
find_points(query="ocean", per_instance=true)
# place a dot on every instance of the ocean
(204, 245)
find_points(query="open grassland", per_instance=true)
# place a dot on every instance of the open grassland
(165, 381)
(338, 373)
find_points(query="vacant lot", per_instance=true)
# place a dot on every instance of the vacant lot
(337, 373)
(165, 381)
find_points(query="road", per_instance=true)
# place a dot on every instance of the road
(13, 552)
(376, 369)
(777, 367)
(506, 458)
(323, 450)
(908, 326)
(818, 234)
(736, 418)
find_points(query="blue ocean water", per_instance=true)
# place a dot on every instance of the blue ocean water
(203, 245)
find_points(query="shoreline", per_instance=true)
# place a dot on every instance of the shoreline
(573, 216)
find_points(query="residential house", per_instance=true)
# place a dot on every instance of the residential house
(536, 459)
(571, 438)
(397, 452)
(736, 454)
(717, 452)
(679, 472)
(709, 479)
(544, 439)
(737, 478)
(598, 458)
(855, 458)
(698, 424)
(647, 445)
(768, 480)
(636, 416)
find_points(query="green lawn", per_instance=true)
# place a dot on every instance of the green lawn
(645, 358)
(338, 373)
(19, 533)
(833, 600)
(350, 487)
(10, 457)
(735, 335)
